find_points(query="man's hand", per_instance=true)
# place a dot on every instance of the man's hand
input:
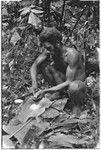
(33, 90)
(34, 87)
(40, 94)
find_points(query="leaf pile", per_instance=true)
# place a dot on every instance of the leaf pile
(55, 127)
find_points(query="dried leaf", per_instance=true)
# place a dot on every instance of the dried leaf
(7, 143)
(34, 20)
(15, 37)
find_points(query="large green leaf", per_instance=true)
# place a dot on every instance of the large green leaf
(34, 20)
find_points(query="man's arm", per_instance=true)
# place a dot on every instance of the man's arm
(33, 70)
(70, 77)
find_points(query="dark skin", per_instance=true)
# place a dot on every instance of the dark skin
(68, 71)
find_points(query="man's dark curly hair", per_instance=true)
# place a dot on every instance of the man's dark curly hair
(51, 35)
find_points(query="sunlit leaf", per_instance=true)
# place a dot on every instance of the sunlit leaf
(67, 25)
(25, 11)
(21, 27)
(34, 20)
(18, 101)
(37, 11)
(11, 63)
(34, 107)
(4, 12)
(41, 145)
(73, 20)
(4, 88)
(15, 37)
(5, 25)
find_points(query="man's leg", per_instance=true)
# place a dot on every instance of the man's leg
(58, 76)
(53, 78)
(47, 75)
(77, 93)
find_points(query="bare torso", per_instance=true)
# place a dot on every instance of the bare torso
(66, 65)
(66, 60)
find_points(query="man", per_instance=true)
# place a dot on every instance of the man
(66, 72)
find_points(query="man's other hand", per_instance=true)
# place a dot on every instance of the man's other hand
(32, 90)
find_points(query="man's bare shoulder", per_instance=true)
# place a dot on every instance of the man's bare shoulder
(70, 50)
(42, 57)
(71, 55)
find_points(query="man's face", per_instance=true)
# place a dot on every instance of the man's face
(49, 47)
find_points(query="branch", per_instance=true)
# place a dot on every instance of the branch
(62, 12)
(76, 23)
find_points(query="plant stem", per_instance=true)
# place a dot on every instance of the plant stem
(63, 8)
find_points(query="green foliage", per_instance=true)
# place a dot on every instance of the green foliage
(22, 22)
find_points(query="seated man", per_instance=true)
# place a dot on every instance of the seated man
(66, 72)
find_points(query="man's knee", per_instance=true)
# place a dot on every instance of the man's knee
(76, 86)
(77, 92)
(47, 69)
